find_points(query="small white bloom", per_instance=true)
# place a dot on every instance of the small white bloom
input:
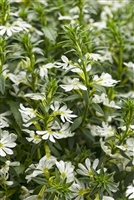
(110, 104)
(66, 170)
(64, 112)
(86, 170)
(9, 30)
(4, 179)
(66, 17)
(44, 165)
(130, 191)
(43, 70)
(24, 193)
(99, 98)
(4, 122)
(36, 96)
(72, 84)
(8, 163)
(36, 197)
(27, 114)
(93, 56)
(104, 131)
(7, 141)
(22, 25)
(78, 190)
(105, 80)
(100, 25)
(50, 132)
(33, 137)
(107, 198)
(129, 65)
(18, 78)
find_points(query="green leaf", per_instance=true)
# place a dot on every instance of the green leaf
(50, 33)
(88, 134)
(2, 84)
(119, 176)
(76, 123)
(99, 88)
(39, 180)
(129, 178)
(97, 108)
(85, 96)
(19, 169)
(14, 106)
(72, 97)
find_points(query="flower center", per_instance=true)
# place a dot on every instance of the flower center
(1, 145)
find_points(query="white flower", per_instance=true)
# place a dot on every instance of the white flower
(99, 98)
(8, 163)
(107, 198)
(54, 130)
(72, 84)
(67, 64)
(103, 99)
(24, 193)
(78, 189)
(127, 95)
(128, 148)
(104, 131)
(22, 25)
(129, 65)
(44, 165)
(130, 191)
(105, 148)
(66, 170)
(86, 170)
(36, 96)
(7, 141)
(33, 137)
(18, 78)
(65, 131)
(4, 122)
(27, 114)
(100, 25)
(29, 169)
(50, 132)
(94, 56)
(66, 17)
(3, 179)
(44, 69)
(9, 30)
(36, 197)
(64, 112)
(105, 80)
(110, 104)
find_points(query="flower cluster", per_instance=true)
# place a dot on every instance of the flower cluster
(66, 100)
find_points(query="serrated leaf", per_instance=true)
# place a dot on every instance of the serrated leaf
(50, 33)
(14, 106)
(2, 84)
(76, 123)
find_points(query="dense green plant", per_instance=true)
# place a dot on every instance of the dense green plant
(66, 100)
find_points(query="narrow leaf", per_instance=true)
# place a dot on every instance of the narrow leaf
(2, 84)
(14, 106)
(76, 123)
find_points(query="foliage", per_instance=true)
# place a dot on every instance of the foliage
(66, 100)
